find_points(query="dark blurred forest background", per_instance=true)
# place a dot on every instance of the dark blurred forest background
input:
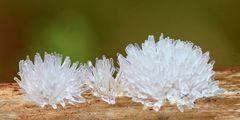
(85, 30)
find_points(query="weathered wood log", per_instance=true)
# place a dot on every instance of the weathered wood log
(223, 106)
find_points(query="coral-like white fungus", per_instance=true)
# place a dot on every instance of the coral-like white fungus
(49, 81)
(100, 79)
(168, 70)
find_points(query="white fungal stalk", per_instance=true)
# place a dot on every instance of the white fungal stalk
(168, 70)
(49, 81)
(100, 79)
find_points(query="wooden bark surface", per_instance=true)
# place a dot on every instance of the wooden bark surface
(225, 106)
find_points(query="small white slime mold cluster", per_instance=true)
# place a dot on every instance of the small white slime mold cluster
(101, 81)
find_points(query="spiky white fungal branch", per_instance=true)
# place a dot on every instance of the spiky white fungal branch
(49, 81)
(168, 70)
(101, 79)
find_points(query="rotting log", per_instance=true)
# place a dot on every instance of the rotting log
(225, 106)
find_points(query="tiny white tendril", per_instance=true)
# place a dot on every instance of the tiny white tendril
(100, 79)
(167, 70)
(51, 82)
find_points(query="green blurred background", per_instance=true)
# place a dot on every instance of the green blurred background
(85, 30)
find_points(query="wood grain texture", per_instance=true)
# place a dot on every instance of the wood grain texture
(225, 106)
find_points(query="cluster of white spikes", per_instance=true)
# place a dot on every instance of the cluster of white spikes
(100, 80)
(165, 71)
(169, 70)
(49, 81)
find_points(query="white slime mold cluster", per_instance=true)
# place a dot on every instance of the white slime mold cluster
(101, 81)
(49, 81)
(168, 70)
